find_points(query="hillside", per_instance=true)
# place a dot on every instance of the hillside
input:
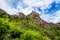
(31, 27)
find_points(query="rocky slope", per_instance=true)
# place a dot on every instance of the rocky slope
(30, 27)
(33, 17)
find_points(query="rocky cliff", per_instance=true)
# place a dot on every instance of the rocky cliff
(33, 17)
(3, 13)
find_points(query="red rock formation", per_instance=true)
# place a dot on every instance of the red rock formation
(14, 16)
(35, 18)
(21, 15)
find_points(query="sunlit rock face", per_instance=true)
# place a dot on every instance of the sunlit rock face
(35, 18)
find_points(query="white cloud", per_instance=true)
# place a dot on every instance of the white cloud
(57, 1)
(55, 18)
(7, 8)
(43, 4)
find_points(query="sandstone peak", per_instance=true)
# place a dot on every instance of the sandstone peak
(34, 13)
(33, 17)
(21, 15)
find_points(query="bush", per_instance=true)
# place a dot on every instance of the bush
(32, 35)
(3, 29)
(15, 33)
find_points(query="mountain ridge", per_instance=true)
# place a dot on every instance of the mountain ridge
(33, 17)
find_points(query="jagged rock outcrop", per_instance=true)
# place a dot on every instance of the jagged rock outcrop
(3, 13)
(14, 16)
(21, 15)
(35, 18)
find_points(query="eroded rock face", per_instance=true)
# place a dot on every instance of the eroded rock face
(21, 15)
(2, 12)
(14, 16)
(34, 17)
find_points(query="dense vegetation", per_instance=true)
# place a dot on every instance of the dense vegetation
(24, 29)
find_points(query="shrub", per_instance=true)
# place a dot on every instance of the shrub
(32, 35)
(3, 29)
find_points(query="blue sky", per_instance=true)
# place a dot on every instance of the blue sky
(49, 10)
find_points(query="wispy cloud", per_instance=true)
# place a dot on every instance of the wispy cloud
(5, 6)
(55, 17)
(46, 8)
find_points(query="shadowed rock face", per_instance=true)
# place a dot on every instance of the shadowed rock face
(2, 12)
(14, 16)
(21, 15)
